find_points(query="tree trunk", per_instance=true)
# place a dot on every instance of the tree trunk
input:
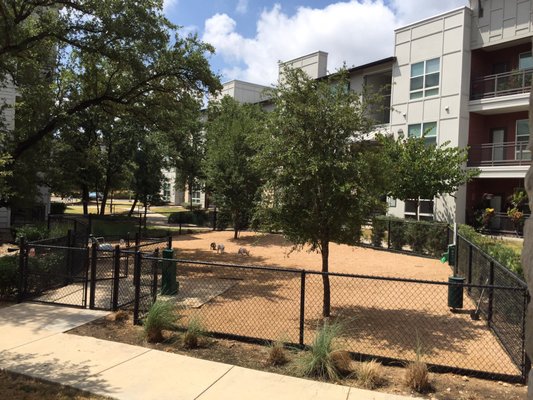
(236, 225)
(105, 195)
(132, 209)
(85, 199)
(326, 306)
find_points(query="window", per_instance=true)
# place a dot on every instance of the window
(425, 78)
(196, 197)
(391, 202)
(522, 140)
(428, 130)
(525, 61)
(425, 209)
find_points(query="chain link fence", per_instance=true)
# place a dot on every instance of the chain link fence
(385, 318)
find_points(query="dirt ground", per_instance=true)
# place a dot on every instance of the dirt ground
(274, 250)
(444, 386)
(19, 387)
(381, 318)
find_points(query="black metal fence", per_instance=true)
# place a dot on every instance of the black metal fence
(504, 312)
(382, 317)
(407, 236)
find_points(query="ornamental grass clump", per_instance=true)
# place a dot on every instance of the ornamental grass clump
(277, 354)
(416, 372)
(195, 330)
(162, 316)
(325, 359)
(370, 374)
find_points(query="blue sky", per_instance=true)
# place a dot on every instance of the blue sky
(250, 37)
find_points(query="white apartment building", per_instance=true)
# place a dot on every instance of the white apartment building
(461, 77)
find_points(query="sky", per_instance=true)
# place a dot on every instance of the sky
(251, 36)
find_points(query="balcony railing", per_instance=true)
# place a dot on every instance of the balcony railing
(499, 154)
(503, 84)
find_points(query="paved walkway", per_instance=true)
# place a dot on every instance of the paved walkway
(33, 342)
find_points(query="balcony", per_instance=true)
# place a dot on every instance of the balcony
(499, 154)
(504, 84)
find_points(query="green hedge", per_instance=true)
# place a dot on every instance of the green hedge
(505, 255)
(423, 237)
(196, 217)
(57, 207)
(8, 277)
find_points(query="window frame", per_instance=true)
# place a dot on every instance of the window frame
(521, 154)
(423, 128)
(423, 91)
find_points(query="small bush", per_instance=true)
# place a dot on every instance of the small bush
(57, 207)
(196, 217)
(195, 330)
(398, 233)
(8, 276)
(379, 227)
(417, 234)
(31, 232)
(437, 239)
(370, 375)
(324, 360)
(277, 354)
(499, 251)
(417, 376)
(161, 316)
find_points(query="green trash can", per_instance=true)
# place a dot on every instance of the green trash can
(455, 292)
(169, 285)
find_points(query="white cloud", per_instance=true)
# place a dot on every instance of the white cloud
(242, 6)
(353, 31)
(168, 4)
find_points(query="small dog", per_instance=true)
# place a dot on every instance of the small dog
(243, 251)
(220, 248)
(213, 246)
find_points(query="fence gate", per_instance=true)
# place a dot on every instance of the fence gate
(51, 273)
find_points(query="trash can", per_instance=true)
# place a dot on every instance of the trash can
(169, 285)
(451, 255)
(455, 292)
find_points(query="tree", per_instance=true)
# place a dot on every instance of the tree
(50, 49)
(323, 177)
(231, 174)
(425, 171)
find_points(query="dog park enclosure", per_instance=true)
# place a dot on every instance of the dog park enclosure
(383, 316)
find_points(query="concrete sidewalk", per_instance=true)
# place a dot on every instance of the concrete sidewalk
(33, 342)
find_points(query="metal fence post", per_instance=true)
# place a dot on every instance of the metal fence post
(87, 261)
(22, 270)
(491, 292)
(137, 285)
(116, 277)
(470, 258)
(93, 277)
(169, 241)
(388, 234)
(302, 307)
(137, 241)
(526, 363)
(154, 275)
(68, 266)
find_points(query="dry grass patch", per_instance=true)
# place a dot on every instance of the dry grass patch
(370, 375)
(417, 376)
(277, 354)
(195, 332)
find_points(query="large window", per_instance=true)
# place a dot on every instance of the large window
(425, 210)
(522, 140)
(196, 197)
(427, 129)
(425, 78)
(525, 61)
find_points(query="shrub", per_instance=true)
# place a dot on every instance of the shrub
(31, 232)
(370, 374)
(498, 250)
(398, 234)
(417, 376)
(161, 316)
(8, 276)
(324, 360)
(196, 217)
(417, 234)
(57, 207)
(195, 330)
(379, 227)
(277, 355)
(437, 239)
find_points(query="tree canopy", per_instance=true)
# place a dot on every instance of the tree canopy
(424, 171)
(232, 176)
(324, 177)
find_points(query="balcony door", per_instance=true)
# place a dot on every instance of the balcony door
(498, 139)
(522, 140)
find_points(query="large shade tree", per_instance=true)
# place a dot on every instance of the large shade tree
(49, 48)
(232, 176)
(324, 177)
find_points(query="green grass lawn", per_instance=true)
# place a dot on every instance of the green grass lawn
(516, 245)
